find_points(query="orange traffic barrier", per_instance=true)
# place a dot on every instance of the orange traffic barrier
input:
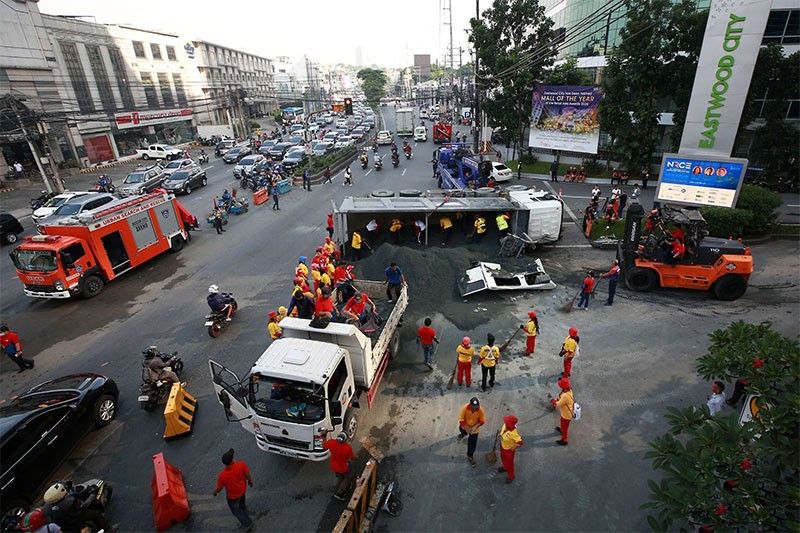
(179, 412)
(168, 494)
(260, 196)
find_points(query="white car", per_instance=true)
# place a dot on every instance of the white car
(420, 134)
(500, 172)
(54, 203)
(384, 137)
(341, 123)
(343, 141)
(313, 128)
(246, 164)
(177, 164)
(331, 136)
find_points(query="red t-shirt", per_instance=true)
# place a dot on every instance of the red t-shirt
(588, 284)
(341, 454)
(234, 479)
(10, 337)
(330, 221)
(426, 335)
(323, 305)
(356, 307)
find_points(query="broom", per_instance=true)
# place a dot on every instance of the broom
(491, 457)
(504, 346)
(452, 375)
(568, 308)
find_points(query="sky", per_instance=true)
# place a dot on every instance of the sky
(327, 31)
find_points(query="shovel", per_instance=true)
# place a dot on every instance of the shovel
(491, 457)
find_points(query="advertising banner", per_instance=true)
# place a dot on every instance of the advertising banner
(136, 119)
(707, 181)
(564, 117)
(731, 42)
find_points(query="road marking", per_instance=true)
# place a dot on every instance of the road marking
(792, 205)
(570, 246)
(403, 173)
(368, 171)
(566, 207)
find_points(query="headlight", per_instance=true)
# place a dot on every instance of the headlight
(141, 190)
(59, 286)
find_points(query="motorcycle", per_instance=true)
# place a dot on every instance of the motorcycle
(395, 160)
(36, 203)
(378, 164)
(408, 154)
(364, 163)
(152, 393)
(105, 185)
(202, 159)
(215, 321)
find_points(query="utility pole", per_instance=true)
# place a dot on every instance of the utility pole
(477, 113)
(15, 104)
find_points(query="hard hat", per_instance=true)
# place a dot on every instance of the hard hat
(531, 314)
(573, 332)
(273, 314)
(474, 402)
(302, 259)
(33, 520)
(466, 341)
(213, 289)
(55, 493)
(563, 383)
(342, 437)
(282, 310)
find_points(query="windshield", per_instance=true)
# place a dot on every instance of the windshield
(175, 164)
(168, 147)
(56, 201)
(287, 400)
(134, 178)
(179, 175)
(500, 167)
(34, 260)
(234, 151)
(247, 161)
(68, 209)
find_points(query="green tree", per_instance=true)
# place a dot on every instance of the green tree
(567, 73)
(722, 476)
(511, 39)
(373, 82)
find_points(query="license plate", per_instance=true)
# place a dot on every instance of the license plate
(143, 398)
(209, 323)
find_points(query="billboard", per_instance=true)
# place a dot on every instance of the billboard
(564, 117)
(137, 119)
(702, 181)
(731, 42)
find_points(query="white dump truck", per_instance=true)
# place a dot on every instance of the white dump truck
(404, 122)
(310, 382)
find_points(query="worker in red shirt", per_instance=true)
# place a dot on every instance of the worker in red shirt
(12, 347)
(329, 226)
(358, 308)
(323, 307)
(341, 455)
(587, 289)
(426, 336)
(678, 234)
(233, 478)
(678, 250)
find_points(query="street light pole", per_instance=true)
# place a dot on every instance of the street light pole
(477, 113)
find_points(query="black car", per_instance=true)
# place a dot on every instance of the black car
(183, 181)
(40, 427)
(235, 154)
(277, 152)
(9, 228)
(266, 146)
(294, 159)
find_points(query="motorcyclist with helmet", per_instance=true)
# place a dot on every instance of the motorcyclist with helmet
(70, 512)
(104, 183)
(219, 303)
(155, 366)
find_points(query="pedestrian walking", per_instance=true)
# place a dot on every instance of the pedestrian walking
(234, 478)
(218, 221)
(613, 278)
(307, 180)
(510, 440)
(519, 170)
(470, 420)
(341, 455)
(717, 398)
(12, 347)
(348, 177)
(569, 350)
(275, 204)
(329, 225)
(394, 280)
(564, 403)
(531, 329)
(554, 170)
(587, 290)
(426, 336)
(645, 179)
(328, 175)
(465, 352)
(488, 357)
(623, 201)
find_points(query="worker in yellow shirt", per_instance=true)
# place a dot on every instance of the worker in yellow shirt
(325, 279)
(531, 330)
(569, 350)
(510, 440)
(565, 403)
(465, 352)
(330, 269)
(355, 244)
(488, 358)
(447, 228)
(470, 420)
(502, 223)
(274, 329)
(301, 266)
(394, 228)
(282, 311)
(478, 228)
(315, 275)
(329, 246)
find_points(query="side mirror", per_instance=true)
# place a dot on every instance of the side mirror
(336, 409)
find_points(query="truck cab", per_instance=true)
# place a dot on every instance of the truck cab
(53, 266)
(294, 394)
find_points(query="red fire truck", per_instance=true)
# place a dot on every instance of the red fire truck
(442, 132)
(78, 256)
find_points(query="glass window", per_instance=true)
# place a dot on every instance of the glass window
(122, 78)
(75, 251)
(794, 110)
(792, 33)
(155, 50)
(293, 401)
(77, 76)
(101, 77)
(776, 23)
(337, 381)
(138, 49)
(180, 92)
(34, 260)
(171, 53)
(166, 90)
(149, 90)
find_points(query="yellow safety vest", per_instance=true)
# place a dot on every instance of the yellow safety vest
(501, 222)
(356, 242)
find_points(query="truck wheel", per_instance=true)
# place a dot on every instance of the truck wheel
(641, 279)
(350, 425)
(177, 243)
(730, 287)
(394, 346)
(145, 157)
(410, 193)
(10, 238)
(383, 193)
(92, 286)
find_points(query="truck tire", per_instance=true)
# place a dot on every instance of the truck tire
(517, 188)
(10, 238)
(92, 286)
(730, 287)
(383, 193)
(641, 279)
(145, 157)
(350, 425)
(410, 193)
(177, 243)
(394, 346)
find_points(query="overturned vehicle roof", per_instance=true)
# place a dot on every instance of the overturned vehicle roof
(492, 276)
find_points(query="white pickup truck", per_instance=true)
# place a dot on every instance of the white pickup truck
(160, 151)
(308, 383)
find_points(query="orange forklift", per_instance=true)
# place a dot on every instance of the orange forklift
(722, 266)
